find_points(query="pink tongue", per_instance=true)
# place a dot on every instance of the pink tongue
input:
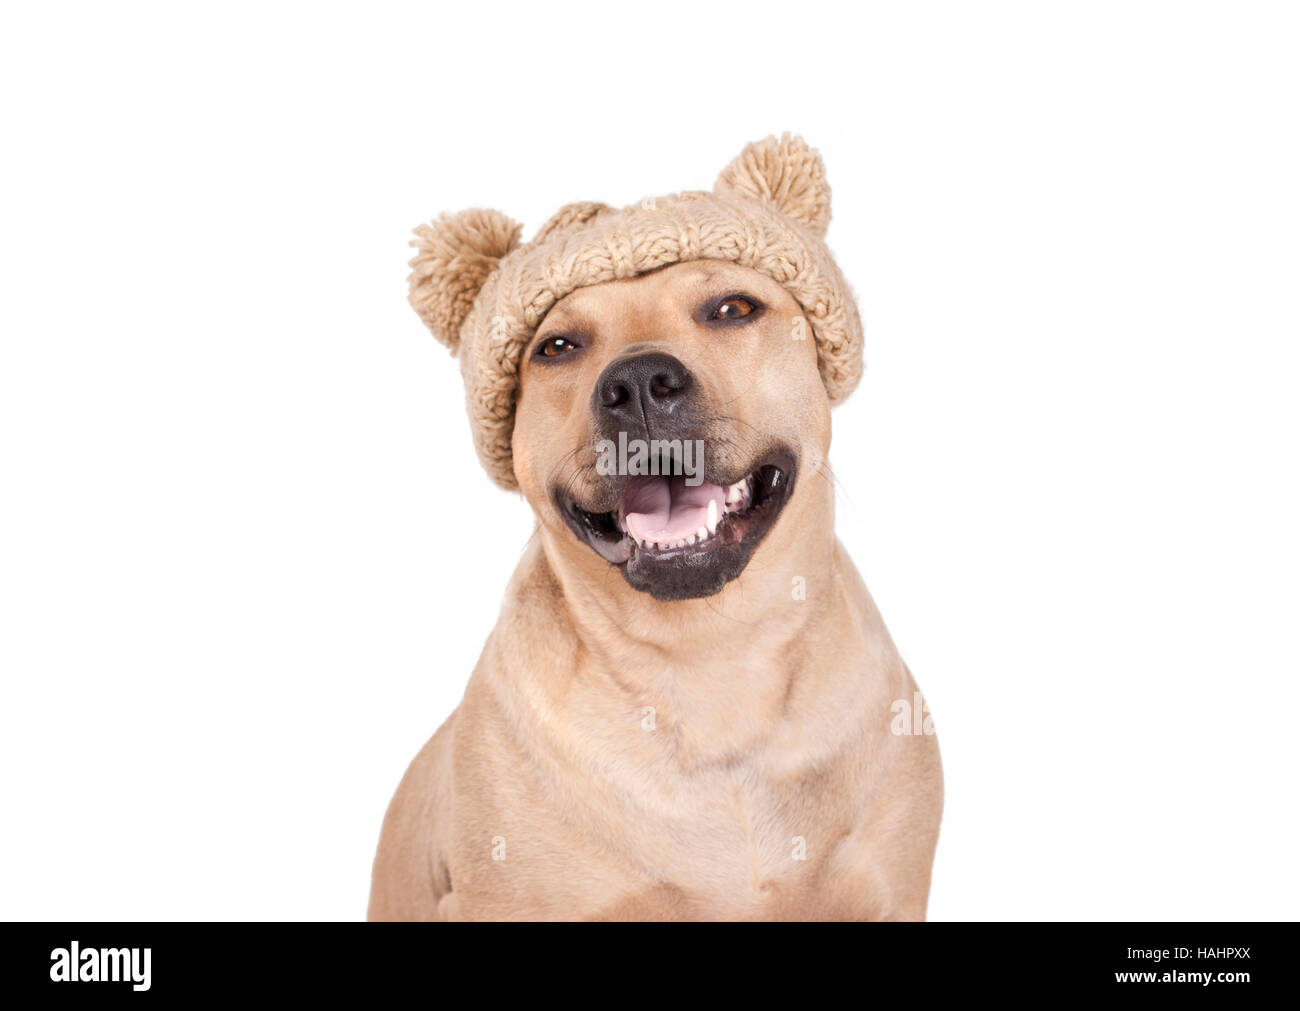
(667, 509)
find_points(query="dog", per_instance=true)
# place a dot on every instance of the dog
(689, 706)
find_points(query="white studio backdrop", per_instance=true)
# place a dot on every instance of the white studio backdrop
(248, 558)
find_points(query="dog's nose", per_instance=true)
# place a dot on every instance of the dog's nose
(638, 389)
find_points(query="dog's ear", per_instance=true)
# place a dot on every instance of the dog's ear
(455, 255)
(786, 173)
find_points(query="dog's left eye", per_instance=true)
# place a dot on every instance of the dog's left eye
(734, 307)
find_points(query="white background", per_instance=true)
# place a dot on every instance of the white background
(248, 557)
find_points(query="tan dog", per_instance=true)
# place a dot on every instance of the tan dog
(706, 730)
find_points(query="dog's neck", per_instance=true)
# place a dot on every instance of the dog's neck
(720, 671)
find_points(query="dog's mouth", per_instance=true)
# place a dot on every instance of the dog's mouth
(676, 537)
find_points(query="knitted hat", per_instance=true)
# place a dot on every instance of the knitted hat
(484, 295)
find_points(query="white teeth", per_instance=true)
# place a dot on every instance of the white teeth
(735, 499)
(738, 495)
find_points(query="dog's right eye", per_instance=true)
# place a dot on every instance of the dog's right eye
(553, 347)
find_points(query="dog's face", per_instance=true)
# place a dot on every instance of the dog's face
(664, 422)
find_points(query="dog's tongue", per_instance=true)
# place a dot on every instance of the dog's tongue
(667, 509)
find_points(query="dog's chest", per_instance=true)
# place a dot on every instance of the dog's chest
(729, 844)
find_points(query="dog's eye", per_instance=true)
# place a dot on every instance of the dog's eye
(553, 347)
(734, 307)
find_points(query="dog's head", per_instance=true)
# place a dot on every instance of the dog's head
(664, 422)
(656, 380)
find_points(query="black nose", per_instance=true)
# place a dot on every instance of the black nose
(641, 389)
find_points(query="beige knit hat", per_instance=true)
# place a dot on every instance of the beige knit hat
(484, 295)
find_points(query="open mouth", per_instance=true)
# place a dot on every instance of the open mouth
(676, 540)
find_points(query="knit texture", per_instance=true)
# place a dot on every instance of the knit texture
(483, 294)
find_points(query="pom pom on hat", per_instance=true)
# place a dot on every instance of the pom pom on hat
(786, 173)
(456, 255)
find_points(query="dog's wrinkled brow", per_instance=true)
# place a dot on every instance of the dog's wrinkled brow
(564, 315)
(711, 271)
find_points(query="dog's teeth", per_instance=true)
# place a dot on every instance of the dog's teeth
(737, 493)
(710, 519)
(703, 533)
(690, 540)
